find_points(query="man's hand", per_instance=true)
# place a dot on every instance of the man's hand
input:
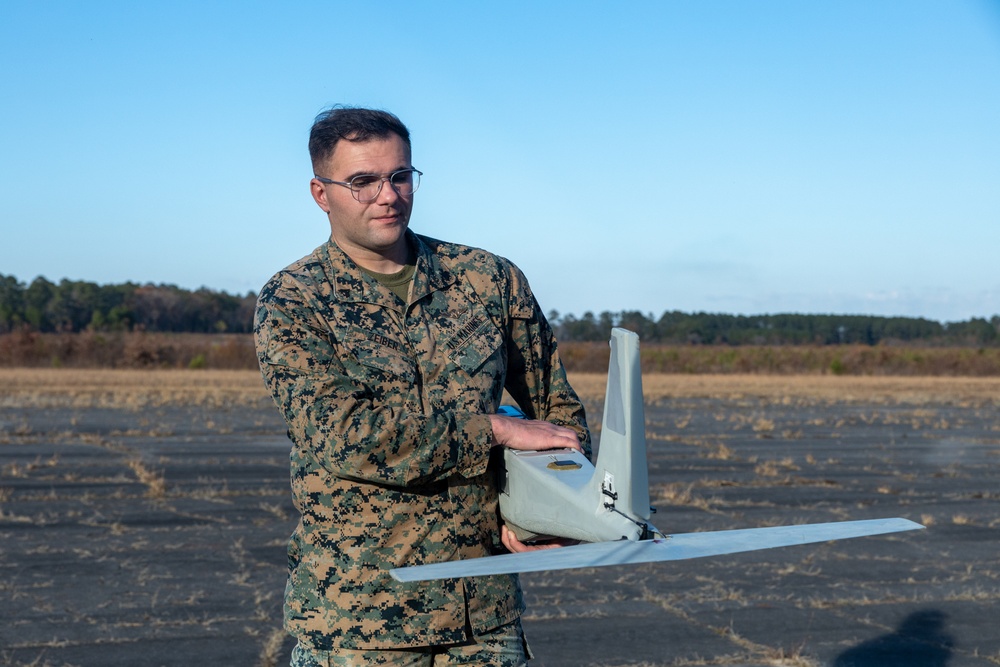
(532, 435)
(516, 546)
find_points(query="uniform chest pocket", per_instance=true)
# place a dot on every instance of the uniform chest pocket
(473, 340)
(382, 362)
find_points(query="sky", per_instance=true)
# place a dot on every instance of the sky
(710, 155)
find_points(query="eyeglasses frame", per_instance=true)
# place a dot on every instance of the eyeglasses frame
(382, 181)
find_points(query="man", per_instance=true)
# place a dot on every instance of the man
(388, 353)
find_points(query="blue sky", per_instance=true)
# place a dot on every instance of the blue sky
(741, 157)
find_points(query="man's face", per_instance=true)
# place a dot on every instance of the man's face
(374, 229)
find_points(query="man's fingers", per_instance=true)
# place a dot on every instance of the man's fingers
(528, 434)
(505, 536)
(515, 545)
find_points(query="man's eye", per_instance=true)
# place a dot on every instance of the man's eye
(363, 181)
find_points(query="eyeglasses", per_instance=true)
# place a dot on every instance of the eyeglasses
(366, 187)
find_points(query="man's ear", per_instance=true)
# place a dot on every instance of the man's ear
(319, 194)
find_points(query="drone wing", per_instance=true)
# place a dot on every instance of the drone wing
(673, 547)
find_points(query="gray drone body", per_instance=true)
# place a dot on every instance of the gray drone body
(559, 493)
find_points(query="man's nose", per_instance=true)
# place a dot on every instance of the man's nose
(388, 194)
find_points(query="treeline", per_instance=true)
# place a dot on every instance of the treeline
(75, 305)
(677, 328)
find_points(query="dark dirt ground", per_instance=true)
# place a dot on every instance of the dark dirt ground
(157, 537)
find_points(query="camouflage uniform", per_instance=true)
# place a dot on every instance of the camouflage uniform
(386, 406)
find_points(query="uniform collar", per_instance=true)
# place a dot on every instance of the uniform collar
(351, 284)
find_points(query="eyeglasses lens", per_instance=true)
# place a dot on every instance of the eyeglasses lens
(366, 188)
(403, 182)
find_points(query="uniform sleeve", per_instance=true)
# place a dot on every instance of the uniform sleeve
(335, 417)
(536, 378)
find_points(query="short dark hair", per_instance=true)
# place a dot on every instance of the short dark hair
(350, 124)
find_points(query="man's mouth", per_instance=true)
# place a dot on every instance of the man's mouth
(390, 217)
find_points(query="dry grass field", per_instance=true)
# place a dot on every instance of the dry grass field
(125, 389)
(43, 387)
(799, 389)
(147, 350)
(144, 513)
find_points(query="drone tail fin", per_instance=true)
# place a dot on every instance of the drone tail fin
(621, 478)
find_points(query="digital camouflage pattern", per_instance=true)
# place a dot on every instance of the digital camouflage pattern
(503, 647)
(387, 409)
